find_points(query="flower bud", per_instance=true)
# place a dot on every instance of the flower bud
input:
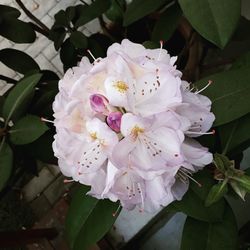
(114, 120)
(99, 103)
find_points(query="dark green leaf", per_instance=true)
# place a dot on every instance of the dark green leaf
(140, 8)
(235, 134)
(17, 31)
(19, 97)
(243, 61)
(6, 159)
(242, 32)
(70, 13)
(57, 35)
(88, 219)
(27, 130)
(79, 40)
(229, 93)
(243, 181)
(115, 12)
(7, 11)
(18, 60)
(88, 13)
(151, 45)
(193, 202)
(100, 221)
(199, 235)
(215, 20)
(222, 162)
(61, 19)
(68, 54)
(167, 23)
(216, 193)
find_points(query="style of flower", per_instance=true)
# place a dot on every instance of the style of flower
(126, 125)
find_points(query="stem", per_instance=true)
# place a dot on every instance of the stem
(230, 138)
(31, 16)
(7, 79)
(39, 30)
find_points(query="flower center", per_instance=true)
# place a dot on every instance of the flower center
(121, 86)
(136, 131)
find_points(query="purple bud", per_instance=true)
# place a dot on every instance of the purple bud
(114, 121)
(98, 103)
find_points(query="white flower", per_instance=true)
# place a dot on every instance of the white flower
(124, 126)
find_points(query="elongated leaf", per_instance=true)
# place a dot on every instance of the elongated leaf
(215, 20)
(18, 60)
(88, 13)
(193, 202)
(17, 31)
(140, 8)
(235, 134)
(6, 159)
(230, 94)
(243, 61)
(116, 10)
(216, 193)
(27, 130)
(199, 235)
(167, 23)
(9, 11)
(19, 97)
(88, 219)
(79, 40)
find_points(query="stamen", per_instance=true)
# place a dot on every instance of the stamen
(68, 181)
(199, 91)
(190, 177)
(91, 54)
(201, 133)
(117, 211)
(46, 120)
(161, 47)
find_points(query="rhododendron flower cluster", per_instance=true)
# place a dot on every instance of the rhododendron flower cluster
(126, 125)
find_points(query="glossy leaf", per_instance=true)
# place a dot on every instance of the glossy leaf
(216, 193)
(17, 30)
(215, 20)
(19, 97)
(193, 202)
(87, 212)
(88, 13)
(229, 93)
(116, 10)
(235, 134)
(27, 130)
(79, 40)
(18, 60)
(6, 159)
(167, 23)
(140, 8)
(222, 235)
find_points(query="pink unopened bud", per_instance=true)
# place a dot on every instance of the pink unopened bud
(114, 121)
(98, 103)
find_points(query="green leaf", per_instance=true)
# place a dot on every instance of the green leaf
(115, 12)
(243, 61)
(222, 162)
(151, 45)
(88, 219)
(27, 130)
(229, 93)
(238, 189)
(199, 235)
(243, 181)
(9, 11)
(167, 23)
(79, 40)
(88, 13)
(215, 20)
(57, 35)
(140, 8)
(6, 159)
(193, 202)
(216, 193)
(17, 31)
(19, 97)
(235, 134)
(18, 60)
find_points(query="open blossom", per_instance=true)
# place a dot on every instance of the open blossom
(126, 126)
